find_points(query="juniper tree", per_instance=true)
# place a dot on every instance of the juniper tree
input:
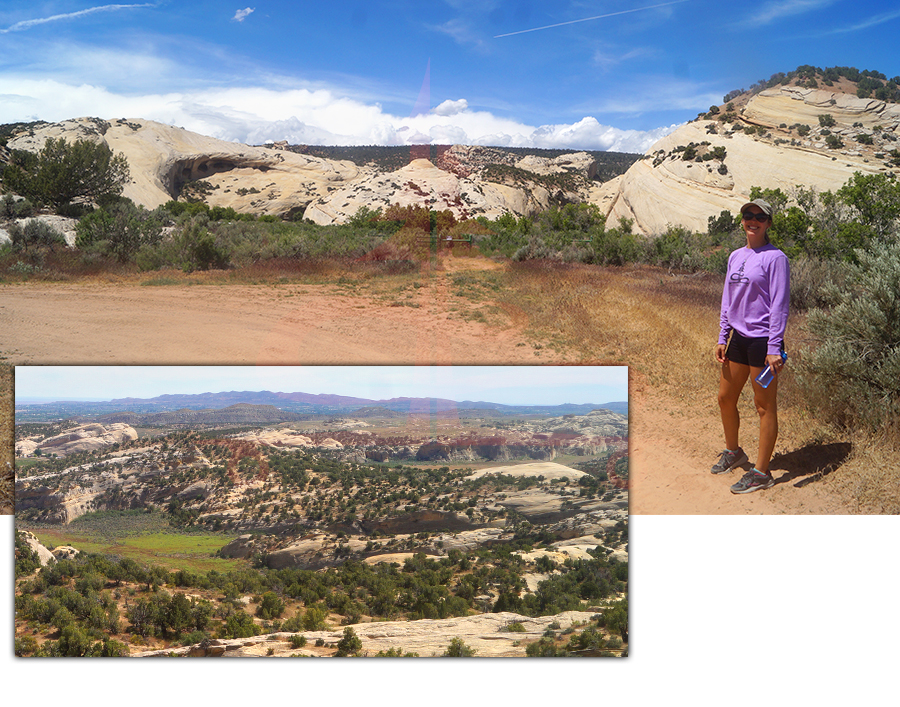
(63, 173)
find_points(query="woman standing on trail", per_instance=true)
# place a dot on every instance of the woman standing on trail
(754, 314)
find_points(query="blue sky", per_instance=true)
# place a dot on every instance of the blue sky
(615, 74)
(510, 385)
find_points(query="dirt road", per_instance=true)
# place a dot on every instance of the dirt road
(671, 451)
(256, 325)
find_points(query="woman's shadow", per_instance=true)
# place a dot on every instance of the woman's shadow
(810, 463)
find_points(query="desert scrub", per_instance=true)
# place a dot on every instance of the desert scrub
(853, 376)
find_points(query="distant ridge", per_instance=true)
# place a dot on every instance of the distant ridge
(307, 404)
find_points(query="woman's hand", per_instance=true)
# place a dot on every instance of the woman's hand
(775, 362)
(720, 353)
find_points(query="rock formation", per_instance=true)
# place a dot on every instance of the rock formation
(84, 438)
(665, 189)
(163, 158)
(265, 180)
(44, 555)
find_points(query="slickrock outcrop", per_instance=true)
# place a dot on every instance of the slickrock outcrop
(65, 552)
(263, 180)
(163, 158)
(664, 189)
(44, 555)
(420, 182)
(427, 637)
(279, 438)
(549, 470)
(84, 438)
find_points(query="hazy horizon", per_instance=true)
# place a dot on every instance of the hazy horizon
(506, 385)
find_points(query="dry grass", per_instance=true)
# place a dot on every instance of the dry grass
(664, 327)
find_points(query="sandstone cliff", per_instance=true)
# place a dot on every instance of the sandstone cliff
(163, 158)
(83, 438)
(269, 181)
(665, 189)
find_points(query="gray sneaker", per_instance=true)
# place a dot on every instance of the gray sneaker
(729, 460)
(753, 480)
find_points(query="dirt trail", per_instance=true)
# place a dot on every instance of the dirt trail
(263, 325)
(671, 450)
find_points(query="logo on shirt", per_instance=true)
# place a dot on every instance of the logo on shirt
(739, 277)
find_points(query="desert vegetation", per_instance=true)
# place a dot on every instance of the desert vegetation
(199, 545)
(553, 274)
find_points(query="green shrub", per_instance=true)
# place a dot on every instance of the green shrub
(12, 208)
(119, 230)
(544, 648)
(349, 645)
(240, 625)
(853, 376)
(82, 171)
(458, 649)
(33, 235)
(270, 607)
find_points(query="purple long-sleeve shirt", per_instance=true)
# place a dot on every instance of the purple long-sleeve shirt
(756, 297)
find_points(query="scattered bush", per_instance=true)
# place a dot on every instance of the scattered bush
(853, 376)
(349, 645)
(458, 649)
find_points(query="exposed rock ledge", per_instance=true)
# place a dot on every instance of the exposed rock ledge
(656, 193)
(427, 637)
(84, 438)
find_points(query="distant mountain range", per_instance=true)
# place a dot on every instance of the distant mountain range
(298, 403)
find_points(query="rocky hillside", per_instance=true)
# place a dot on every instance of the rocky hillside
(83, 438)
(168, 162)
(238, 414)
(812, 128)
(277, 478)
(321, 550)
(781, 137)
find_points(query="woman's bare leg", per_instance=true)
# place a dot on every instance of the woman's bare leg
(767, 406)
(734, 376)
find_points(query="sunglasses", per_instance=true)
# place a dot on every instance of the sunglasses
(749, 216)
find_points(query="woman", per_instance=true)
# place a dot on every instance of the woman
(754, 315)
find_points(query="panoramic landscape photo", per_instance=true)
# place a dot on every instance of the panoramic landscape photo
(469, 184)
(360, 511)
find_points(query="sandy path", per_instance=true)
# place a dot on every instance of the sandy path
(213, 324)
(672, 452)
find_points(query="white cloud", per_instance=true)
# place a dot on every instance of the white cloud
(460, 31)
(787, 8)
(242, 15)
(305, 116)
(869, 22)
(28, 24)
(449, 107)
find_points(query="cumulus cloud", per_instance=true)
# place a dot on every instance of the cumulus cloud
(242, 15)
(306, 116)
(451, 107)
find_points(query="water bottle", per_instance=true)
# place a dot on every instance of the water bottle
(767, 375)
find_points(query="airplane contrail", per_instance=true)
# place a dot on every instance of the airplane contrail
(28, 24)
(588, 19)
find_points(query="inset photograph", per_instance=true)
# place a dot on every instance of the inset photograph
(321, 511)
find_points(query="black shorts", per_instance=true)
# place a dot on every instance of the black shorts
(747, 350)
